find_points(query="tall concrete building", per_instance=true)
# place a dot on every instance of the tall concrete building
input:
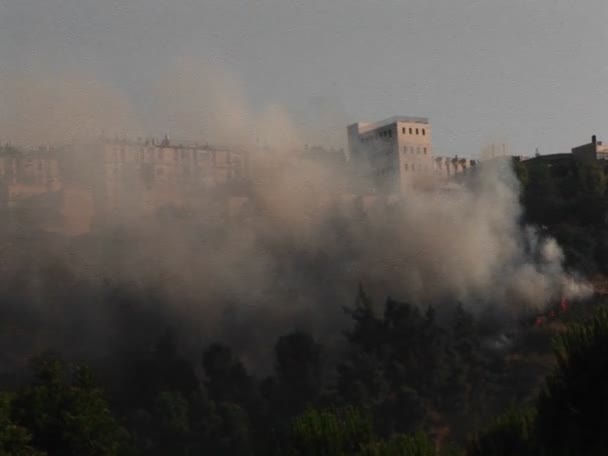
(392, 155)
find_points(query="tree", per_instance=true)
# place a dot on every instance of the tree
(573, 405)
(330, 432)
(417, 444)
(15, 440)
(67, 413)
(227, 379)
(591, 179)
(299, 371)
(511, 434)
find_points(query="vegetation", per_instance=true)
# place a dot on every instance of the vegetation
(569, 201)
(402, 381)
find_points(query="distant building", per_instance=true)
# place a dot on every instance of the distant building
(112, 180)
(30, 188)
(595, 150)
(109, 181)
(448, 167)
(391, 155)
(549, 159)
(151, 173)
(25, 173)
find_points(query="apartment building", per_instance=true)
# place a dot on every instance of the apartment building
(146, 174)
(27, 173)
(392, 155)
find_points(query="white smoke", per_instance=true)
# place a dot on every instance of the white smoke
(469, 245)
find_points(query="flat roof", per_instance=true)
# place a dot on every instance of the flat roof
(365, 127)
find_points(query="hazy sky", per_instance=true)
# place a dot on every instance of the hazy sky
(529, 72)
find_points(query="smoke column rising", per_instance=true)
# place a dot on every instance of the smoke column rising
(295, 260)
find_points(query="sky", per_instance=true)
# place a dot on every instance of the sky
(528, 73)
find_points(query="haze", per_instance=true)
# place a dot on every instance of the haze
(528, 73)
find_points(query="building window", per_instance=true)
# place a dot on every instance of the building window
(390, 133)
(423, 132)
(410, 130)
(416, 131)
(403, 130)
(425, 151)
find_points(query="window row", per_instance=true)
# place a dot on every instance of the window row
(414, 131)
(413, 167)
(416, 150)
(159, 154)
(380, 134)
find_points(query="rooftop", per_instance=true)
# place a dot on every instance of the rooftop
(364, 127)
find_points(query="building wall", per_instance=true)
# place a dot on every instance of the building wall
(142, 176)
(105, 180)
(416, 153)
(448, 167)
(25, 174)
(595, 150)
(392, 155)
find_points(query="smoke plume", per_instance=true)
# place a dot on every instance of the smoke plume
(293, 254)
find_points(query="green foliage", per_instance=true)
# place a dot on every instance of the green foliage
(67, 413)
(330, 432)
(401, 445)
(227, 379)
(511, 434)
(299, 373)
(231, 433)
(15, 440)
(568, 199)
(409, 370)
(573, 406)
(591, 179)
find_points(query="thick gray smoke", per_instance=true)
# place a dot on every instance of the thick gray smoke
(468, 244)
(293, 256)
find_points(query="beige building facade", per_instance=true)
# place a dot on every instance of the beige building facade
(392, 155)
(28, 173)
(147, 174)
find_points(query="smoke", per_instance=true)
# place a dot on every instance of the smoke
(294, 253)
(200, 99)
(61, 109)
(472, 247)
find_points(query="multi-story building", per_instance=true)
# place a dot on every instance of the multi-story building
(391, 155)
(149, 173)
(111, 180)
(449, 167)
(25, 173)
(595, 150)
